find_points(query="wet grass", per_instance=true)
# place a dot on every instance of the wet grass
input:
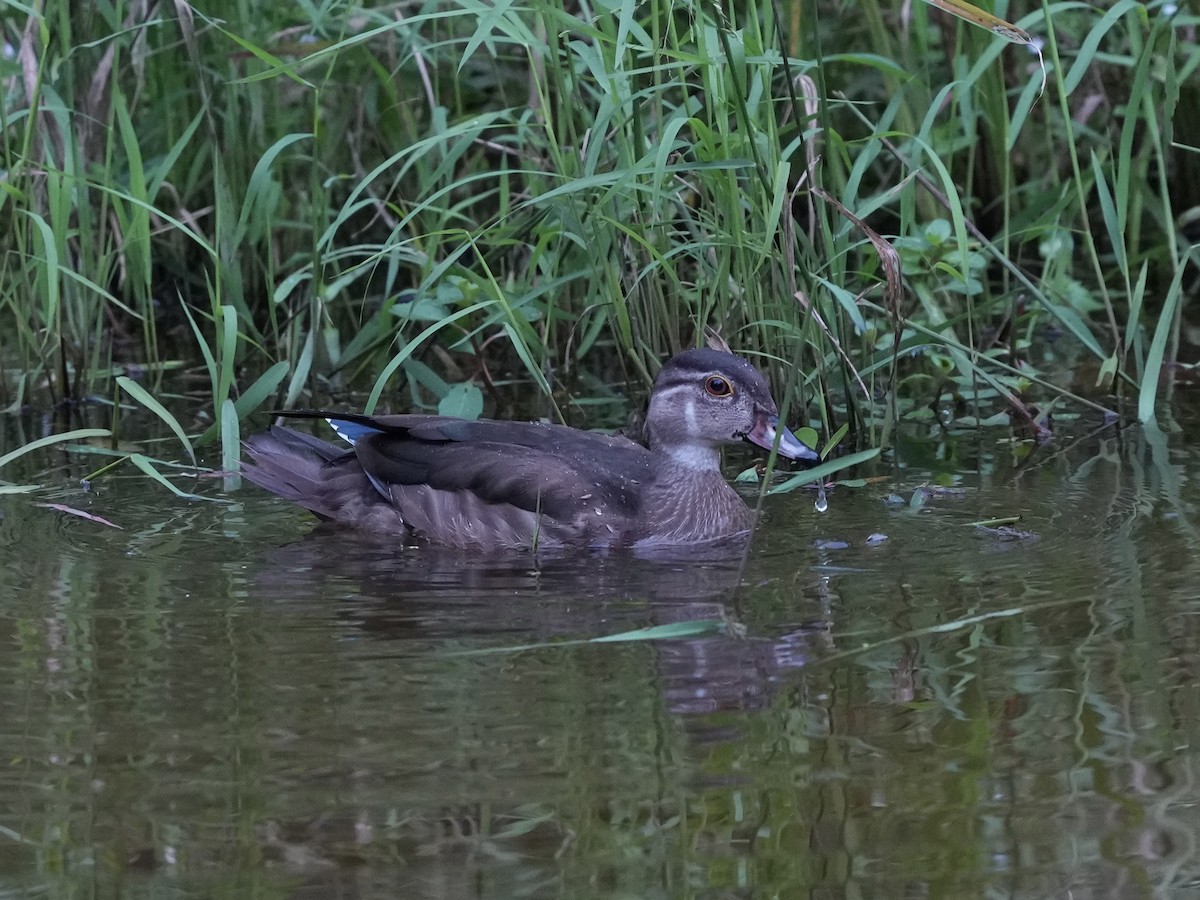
(428, 204)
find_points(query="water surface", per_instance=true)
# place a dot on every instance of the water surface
(218, 700)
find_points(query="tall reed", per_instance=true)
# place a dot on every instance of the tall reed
(428, 200)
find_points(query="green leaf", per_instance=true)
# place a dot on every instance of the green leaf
(823, 471)
(407, 350)
(252, 398)
(7, 488)
(260, 181)
(1148, 391)
(463, 400)
(227, 325)
(832, 443)
(984, 19)
(690, 628)
(230, 436)
(423, 309)
(147, 466)
(78, 434)
(300, 375)
(210, 361)
(1108, 371)
(1113, 223)
(142, 396)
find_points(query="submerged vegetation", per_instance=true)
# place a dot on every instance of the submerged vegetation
(428, 201)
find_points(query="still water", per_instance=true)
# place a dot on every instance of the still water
(219, 701)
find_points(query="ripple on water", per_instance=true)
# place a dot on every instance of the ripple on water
(219, 693)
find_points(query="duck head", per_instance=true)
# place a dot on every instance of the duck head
(705, 398)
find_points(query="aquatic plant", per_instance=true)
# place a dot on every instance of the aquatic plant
(430, 201)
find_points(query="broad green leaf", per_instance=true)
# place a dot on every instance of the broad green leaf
(464, 400)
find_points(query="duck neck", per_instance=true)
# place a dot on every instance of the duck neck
(675, 436)
(695, 458)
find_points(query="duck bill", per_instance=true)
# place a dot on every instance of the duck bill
(767, 430)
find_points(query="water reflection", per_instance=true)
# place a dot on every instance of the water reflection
(219, 701)
(432, 594)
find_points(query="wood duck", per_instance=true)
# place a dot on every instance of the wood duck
(493, 484)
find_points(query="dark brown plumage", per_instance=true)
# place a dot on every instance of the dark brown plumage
(513, 484)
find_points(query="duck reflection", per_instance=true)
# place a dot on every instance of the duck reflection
(490, 601)
(416, 603)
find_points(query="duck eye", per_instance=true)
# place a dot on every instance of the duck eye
(716, 386)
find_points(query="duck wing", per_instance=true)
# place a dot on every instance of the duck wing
(497, 482)
(531, 466)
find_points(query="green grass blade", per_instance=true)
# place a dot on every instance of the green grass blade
(228, 324)
(1148, 393)
(1112, 219)
(230, 436)
(823, 471)
(144, 397)
(147, 466)
(79, 434)
(264, 386)
(407, 350)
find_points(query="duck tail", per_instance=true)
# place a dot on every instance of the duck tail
(323, 478)
(293, 465)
